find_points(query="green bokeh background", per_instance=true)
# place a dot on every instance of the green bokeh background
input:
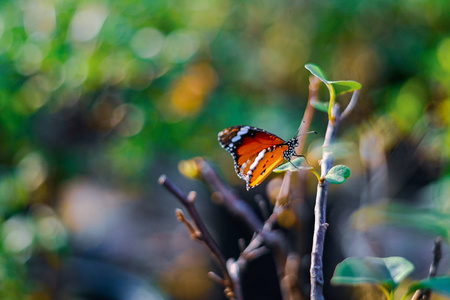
(104, 96)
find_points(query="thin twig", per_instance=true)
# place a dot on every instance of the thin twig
(320, 224)
(195, 234)
(437, 255)
(351, 104)
(283, 195)
(235, 205)
(216, 278)
(314, 83)
(232, 288)
(262, 205)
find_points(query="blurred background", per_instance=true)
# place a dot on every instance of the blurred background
(99, 98)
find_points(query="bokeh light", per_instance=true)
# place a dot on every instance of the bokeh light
(147, 42)
(87, 22)
(99, 98)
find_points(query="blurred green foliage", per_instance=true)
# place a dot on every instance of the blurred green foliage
(164, 76)
(387, 272)
(119, 89)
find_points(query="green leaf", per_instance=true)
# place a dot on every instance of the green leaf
(440, 285)
(338, 174)
(316, 71)
(340, 87)
(321, 106)
(298, 163)
(345, 86)
(334, 87)
(388, 272)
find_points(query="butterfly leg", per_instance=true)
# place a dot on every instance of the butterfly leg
(293, 164)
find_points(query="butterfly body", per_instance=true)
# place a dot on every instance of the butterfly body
(256, 152)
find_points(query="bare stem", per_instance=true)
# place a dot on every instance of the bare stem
(351, 104)
(320, 224)
(314, 83)
(236, 206)
(232, 288)
(195, 234)
(437, 255)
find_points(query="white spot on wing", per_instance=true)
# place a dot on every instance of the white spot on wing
(243, 130)
(236, 138)
(256, 162)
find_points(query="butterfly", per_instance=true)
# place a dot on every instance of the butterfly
(256, 152)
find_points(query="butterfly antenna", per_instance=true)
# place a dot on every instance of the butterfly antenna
(298, 129)
(298, 135)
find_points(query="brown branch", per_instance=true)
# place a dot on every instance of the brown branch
(235, 205)
(232, 289)
(283, 196)
(264, 233)
(262, 205)
(320, 224)
(314, 83)
(195, 234)
(216, 278)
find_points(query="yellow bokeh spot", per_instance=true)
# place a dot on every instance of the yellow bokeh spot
(273, 189)
(442, 110)
(287, 218)
(368, 217)
(443, 54)
(190, 92)
(189, 168)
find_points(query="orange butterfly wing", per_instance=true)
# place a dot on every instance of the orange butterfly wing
(256, 152)
(266, 165)
(255, 144)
